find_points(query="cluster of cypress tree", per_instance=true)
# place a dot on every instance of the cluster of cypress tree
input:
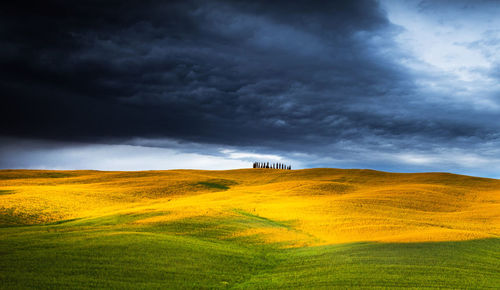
(271, 165)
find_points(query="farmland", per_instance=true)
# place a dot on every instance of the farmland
(249, 228)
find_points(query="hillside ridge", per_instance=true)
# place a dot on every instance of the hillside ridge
(319, 205)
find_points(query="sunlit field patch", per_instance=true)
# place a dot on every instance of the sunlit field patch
(328, 205)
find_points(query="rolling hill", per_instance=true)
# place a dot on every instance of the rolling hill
(248, 228)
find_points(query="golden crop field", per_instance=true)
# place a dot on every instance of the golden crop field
(311, 207)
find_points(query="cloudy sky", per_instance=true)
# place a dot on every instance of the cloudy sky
(405, 86)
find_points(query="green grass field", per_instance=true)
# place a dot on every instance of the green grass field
(248, 229)
(114, 252)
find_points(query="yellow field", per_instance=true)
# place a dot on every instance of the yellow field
(318, 206)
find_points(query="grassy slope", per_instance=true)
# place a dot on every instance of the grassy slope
(112, 252)
(247, 228)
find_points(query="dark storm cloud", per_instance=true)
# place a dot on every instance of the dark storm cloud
(293, 74)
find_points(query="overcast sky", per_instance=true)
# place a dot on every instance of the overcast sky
(405, 86)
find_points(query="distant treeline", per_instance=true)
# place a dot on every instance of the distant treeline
(271, 165)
